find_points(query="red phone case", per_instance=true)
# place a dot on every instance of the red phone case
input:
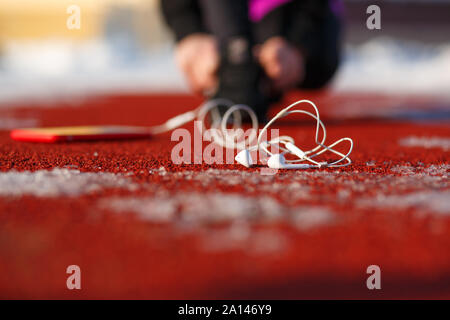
(82, 133)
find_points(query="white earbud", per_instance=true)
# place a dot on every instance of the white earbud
(244, 158)
(295, 150)
(277, 161)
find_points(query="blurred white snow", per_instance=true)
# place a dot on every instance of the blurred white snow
(59, 68)
(390, 66)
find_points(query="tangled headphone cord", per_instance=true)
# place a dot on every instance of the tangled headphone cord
(254, 142)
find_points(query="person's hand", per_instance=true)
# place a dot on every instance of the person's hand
(197, 56)
(282, 62)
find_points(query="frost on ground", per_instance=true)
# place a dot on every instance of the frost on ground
(440, 171)
(426, 142)
(200, 209)
(7, 123)
(396, 190)
(59, 182)
(437, 202)
(241, 236)
(233, 217)
(293, 186)
(281, 185)
(435, 198)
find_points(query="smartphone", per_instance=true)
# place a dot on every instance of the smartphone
(81, 133)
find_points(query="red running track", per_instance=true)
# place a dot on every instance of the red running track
(147, 228)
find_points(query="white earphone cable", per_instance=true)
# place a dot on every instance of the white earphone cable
(239, 139)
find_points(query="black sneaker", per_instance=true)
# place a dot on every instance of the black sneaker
(240, 79)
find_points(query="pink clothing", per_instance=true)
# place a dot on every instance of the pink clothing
(259, 8)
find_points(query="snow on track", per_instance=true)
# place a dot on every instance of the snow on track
(13, 123)
(59, 182)
(430, 201)
(426, 142)
(295, 186)
(233, 216)
(424, 189)
(215, 208)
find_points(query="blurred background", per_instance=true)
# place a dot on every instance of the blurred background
(124, 47)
